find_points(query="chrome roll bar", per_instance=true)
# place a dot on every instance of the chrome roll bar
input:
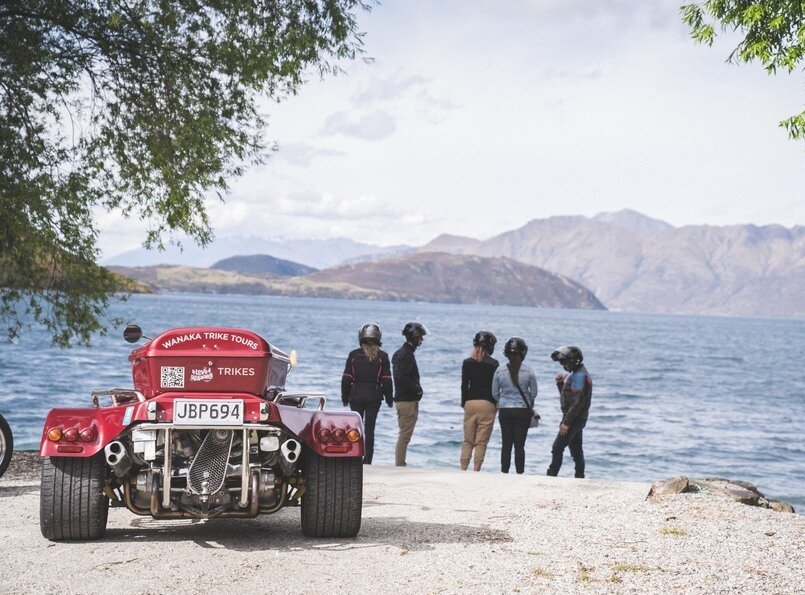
(303, 399)
(117, 395)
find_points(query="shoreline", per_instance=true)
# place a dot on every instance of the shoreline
(427, 530)
(26, 464)
(623, 312)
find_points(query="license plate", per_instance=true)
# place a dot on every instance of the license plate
(207, 412)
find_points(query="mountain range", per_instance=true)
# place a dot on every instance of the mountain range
(424, 276)
(440, 277)
(629, 261)
(636, 263)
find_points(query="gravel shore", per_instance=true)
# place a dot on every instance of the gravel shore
(426, 531)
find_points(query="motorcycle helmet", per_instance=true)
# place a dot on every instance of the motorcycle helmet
(370, 333)
(515, 345)
(486, 340)
(414, 330)
(569, 354)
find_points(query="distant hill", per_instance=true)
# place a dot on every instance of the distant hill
(633, 262)
(440, 277)
(262, 265)
(129, 285)
(427, 277)
(175, 278)
(451, 244)
(317, 254)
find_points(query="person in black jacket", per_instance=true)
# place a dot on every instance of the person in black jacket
(407, 390)
(479, 405)
(575, 395)
(366, 382)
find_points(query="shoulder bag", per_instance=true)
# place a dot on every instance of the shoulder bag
(534, 415)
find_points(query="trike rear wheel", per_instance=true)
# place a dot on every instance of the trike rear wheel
(72, 504)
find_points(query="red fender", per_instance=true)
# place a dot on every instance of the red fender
(107, 423)
(306, 424)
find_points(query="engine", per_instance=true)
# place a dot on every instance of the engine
(203, 472)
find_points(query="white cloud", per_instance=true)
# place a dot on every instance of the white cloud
(374, 126)
(387, 88)
(302, 154)
(311, 205)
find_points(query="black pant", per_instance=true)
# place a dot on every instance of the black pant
(514, 422)
(368, 413)
(573, 438)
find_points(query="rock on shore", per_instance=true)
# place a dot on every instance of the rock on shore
(429, 531)
(739, 491)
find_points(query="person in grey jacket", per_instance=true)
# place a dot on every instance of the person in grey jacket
(514, 415)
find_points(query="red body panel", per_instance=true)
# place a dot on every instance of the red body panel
(207, 359)
(109, 421)
(306, 423)
(216, 363)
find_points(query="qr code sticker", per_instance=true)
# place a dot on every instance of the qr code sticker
(171, 377)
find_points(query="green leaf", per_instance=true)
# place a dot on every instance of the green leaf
(171, 117)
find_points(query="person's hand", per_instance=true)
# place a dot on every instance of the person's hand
(563, 429)
(560, 377)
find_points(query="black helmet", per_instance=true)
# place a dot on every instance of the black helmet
(515, 345)
(370, 333)
(486, 340)
(414, 330)
(568, 353)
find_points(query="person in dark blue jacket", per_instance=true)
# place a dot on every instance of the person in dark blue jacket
(575, 395)
(366, 382)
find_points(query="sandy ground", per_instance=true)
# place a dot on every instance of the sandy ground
(426, 531)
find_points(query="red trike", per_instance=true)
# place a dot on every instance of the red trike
(207, 431)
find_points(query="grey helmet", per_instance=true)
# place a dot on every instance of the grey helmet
(568, 353)
(486, 340)
(370, 333)
(414, 330)
(515, 345)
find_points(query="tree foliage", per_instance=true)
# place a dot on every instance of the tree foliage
(774, 35)
(147, 107)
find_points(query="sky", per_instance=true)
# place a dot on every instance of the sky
(475, 117)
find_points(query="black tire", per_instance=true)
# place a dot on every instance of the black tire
(72, 504)
(333, 498)
(6, 445)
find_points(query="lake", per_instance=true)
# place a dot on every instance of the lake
(673, 394)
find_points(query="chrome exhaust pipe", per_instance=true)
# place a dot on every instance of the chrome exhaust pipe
(117, 458)
(291, 450)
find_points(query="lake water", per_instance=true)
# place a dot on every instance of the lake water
(673, 394)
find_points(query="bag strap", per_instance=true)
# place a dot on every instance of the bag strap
(522, 395)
